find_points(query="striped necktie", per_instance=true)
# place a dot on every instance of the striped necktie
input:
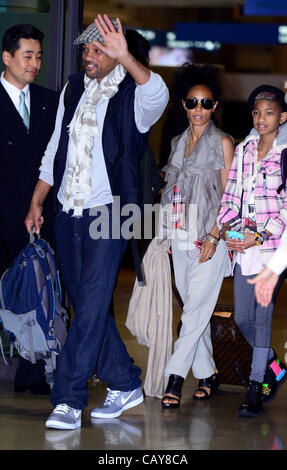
(23, 111)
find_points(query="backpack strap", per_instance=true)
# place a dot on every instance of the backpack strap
(1, 292)
(240, 161)
(58, 288)
(28, 327)
(43, 262)
(34, 236)
(44, 248)
(50, 366)
(2, 351)
(283, 165)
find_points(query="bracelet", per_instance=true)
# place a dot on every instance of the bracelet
(212, 239)
(224, 228)
(213, 236)
(265, 235)
(258, 238)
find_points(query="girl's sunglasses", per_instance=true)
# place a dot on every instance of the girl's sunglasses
(205, 103)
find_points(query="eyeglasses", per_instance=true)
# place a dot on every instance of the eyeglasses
(205, 103)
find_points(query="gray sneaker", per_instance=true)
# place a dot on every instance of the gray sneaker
(117, 402)
(64, 417)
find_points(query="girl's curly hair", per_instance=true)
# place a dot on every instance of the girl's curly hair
(190, 75)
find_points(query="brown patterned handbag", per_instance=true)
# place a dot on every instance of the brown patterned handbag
(232, 353)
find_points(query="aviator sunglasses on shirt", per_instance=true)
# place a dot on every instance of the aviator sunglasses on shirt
(205, 103)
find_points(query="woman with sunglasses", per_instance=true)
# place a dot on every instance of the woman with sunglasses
(195, 175)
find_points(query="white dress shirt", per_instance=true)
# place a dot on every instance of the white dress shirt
(14, 92)
(150, 102)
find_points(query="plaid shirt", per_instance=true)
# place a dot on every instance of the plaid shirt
(178, 220)
(177, 209)
(270, 207)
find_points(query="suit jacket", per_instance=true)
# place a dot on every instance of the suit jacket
(20, 159)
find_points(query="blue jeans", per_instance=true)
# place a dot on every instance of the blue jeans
(89, 270)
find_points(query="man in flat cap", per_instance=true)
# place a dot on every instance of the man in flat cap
(92, 161)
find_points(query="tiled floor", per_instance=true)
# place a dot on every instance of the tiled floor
(209, 425)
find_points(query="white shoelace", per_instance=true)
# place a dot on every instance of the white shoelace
(62, 409)
(112, 396)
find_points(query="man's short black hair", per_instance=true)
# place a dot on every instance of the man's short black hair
(138, 46)
(12, 36)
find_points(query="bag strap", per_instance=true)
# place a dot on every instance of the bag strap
(2, 351)
(44, 264)
(58, 288)
(28, 327)
(50, 366)
(1, 292)
(137, 262)
(283, 165)
(34, 236)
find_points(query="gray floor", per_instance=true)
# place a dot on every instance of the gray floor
(209, 425)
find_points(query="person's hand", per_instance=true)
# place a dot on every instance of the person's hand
(115, 44)
(207, 250)
(239, 245)
(34, 219)
(223, 231)
(264, 283)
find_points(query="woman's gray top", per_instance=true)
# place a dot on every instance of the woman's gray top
(198, 178)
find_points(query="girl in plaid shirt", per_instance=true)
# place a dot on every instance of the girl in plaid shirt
(252, 205)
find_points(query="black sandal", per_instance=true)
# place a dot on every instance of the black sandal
(173, 387)
(211, 382)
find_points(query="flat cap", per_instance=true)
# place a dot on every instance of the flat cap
(92, 33)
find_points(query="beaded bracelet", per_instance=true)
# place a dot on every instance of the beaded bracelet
(265, 235)
(258, 238)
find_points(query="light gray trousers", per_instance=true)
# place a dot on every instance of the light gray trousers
(199, 285)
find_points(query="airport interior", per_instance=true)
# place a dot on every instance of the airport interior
(247, 39)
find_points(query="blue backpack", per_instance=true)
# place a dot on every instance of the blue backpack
(31, 311)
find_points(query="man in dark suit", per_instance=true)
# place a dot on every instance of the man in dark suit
(27, 120)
